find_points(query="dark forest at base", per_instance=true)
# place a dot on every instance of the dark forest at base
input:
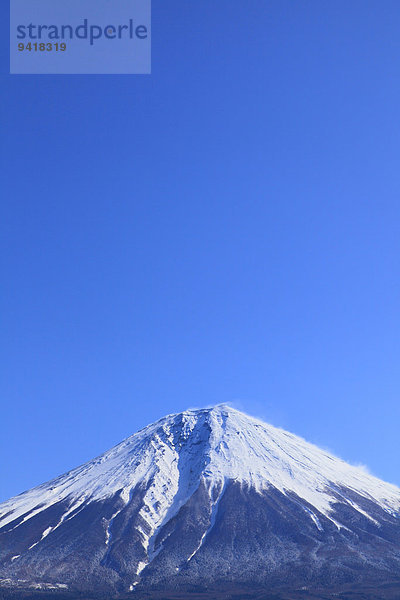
(389, 591)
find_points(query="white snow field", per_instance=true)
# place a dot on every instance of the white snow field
(216, 445)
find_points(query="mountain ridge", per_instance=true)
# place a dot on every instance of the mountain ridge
(157, 506)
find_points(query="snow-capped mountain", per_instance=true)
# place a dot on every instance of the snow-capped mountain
(203, 498)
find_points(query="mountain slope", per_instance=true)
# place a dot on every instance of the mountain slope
(204, 497)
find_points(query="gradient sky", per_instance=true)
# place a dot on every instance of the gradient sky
(224, 230)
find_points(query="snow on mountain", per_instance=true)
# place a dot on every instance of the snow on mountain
(219, 444)
(200, 497)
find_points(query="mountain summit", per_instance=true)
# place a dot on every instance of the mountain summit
(205, 498)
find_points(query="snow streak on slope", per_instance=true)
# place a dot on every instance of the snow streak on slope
(169, 458)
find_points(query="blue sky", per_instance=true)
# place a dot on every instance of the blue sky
(224, 230)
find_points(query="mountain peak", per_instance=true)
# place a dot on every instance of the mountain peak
(216, 444)
(199, 455)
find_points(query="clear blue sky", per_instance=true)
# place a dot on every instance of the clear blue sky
(224, 230)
